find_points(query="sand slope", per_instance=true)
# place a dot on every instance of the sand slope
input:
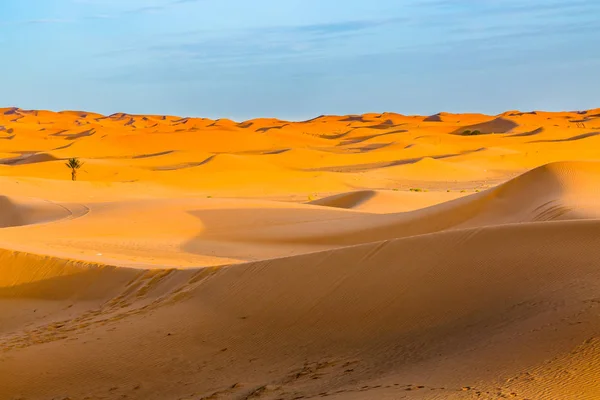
(271, 260)
(19, 212)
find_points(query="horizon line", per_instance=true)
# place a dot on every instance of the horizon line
(503, 113)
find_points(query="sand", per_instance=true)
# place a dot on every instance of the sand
(379, 256)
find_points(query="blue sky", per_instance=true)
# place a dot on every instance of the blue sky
(296, 59)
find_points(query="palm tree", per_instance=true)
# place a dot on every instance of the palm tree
(74, 164)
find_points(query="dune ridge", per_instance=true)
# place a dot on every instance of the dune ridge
(345, 257)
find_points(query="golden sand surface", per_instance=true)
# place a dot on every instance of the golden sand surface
(375, 256)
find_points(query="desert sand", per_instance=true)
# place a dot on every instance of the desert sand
(375, 256)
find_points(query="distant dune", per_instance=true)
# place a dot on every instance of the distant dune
(375, 256)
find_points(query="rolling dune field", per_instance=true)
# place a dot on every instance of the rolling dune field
(376, 256)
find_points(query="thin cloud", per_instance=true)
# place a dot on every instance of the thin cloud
(147, 9)
(101, 16)
(47, 21)
(161, 7)
(41, 21)
(269, 41)
(346, 26)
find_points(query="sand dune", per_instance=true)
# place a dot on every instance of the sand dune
(497, 125)
(379, 256)
(359, 322)
(542, 194)
(18, 212)
(577, 137)
(382, 202)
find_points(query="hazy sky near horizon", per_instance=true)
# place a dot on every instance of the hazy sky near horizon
(296, 59)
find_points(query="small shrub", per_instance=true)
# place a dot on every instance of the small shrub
(416, 190)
